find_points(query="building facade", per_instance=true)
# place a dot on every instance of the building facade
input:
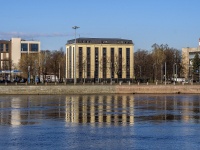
(187, 57)
(99, 59)
(11, 51)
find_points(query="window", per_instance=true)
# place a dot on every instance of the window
(112, 62)
(128, 63)
(7, 47)
(80, 56)
(24, 47)
(96, 72)
(120, 63)
(104, 63)
(88, 62)
(34, 47)
(1, 47)
(70, 62)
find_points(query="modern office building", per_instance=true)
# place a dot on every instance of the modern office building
(11, 51)
(188, 54)
(99, 59)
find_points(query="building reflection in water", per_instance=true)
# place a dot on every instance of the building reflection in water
(98, 109)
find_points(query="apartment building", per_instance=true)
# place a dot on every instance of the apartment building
(99, 59)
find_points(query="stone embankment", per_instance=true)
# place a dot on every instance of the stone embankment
(99, 89)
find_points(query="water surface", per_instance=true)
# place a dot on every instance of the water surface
(100, 122)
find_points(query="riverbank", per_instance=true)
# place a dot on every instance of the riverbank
(99, 89)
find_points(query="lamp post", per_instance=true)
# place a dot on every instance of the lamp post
(75, 27)
(174, 72)
(28, 74)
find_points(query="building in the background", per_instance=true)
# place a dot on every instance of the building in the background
(188, 54)
(20, 47)
(11, 51)
(100, 59)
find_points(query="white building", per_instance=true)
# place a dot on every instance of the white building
(20, 47)
(11, 51)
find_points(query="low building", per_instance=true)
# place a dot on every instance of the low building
(99, 59)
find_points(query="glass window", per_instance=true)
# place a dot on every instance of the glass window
(34, 47)
(1, 47)
(88, 62)
(96, 62)
(24, 47)
(7, 47)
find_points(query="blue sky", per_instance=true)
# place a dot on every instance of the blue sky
(172, 22)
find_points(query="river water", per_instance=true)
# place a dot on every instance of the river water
(100, 122)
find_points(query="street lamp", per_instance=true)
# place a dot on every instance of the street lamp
(28, 74)
(75, 27)
(174, 72)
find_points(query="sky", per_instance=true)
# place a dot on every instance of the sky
(145, 22)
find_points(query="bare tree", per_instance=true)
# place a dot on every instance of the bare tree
(31, 61)
(56, 63)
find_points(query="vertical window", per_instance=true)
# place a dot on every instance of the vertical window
(67, 62)
(104, 63)
(88, 62)
(112, 59)
(70, 62)
(80, 56)
(120, 63)
(96, 72)
(73, 54)
(7, 47)
(128, 63)
(1, 47)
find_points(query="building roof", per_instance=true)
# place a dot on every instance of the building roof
(6, 41)
(100, 41)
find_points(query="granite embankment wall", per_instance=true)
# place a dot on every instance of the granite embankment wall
(99, 89)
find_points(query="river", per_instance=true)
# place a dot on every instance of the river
(100, 121)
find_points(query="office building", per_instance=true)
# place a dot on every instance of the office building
(99, 59)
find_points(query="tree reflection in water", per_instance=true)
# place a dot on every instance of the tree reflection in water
(99, 109)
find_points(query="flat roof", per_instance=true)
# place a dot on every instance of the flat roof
(100, 41)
